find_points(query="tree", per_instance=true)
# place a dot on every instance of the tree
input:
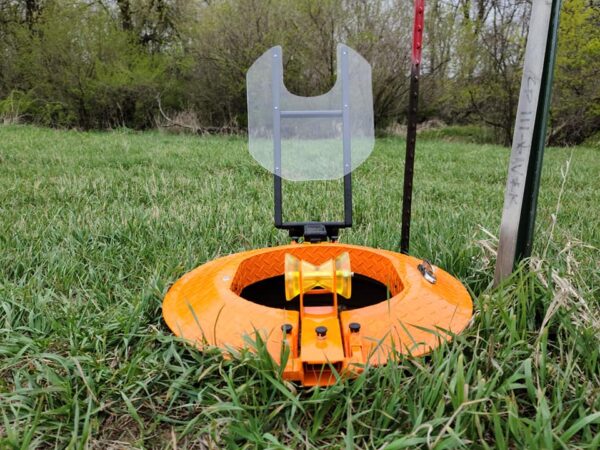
(103, 63)
(576, 99)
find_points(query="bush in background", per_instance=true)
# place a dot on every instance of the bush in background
(110, 63)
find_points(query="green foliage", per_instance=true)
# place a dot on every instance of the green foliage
(482, 65)
(473, 134)
(15, 106)
(80, 69)
(475, 52)
(576, 102)
(107, 63)
(231, 34)
(593, 140)
(95, 227)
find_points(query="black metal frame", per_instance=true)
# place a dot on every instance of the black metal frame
(311, 231)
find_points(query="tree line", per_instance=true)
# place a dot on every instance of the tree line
(98, 64)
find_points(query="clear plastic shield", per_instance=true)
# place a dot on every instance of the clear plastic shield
(310, 138)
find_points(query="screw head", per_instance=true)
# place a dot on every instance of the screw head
(321, 331)
(354, 327)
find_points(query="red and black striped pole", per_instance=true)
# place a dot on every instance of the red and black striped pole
(411, 131)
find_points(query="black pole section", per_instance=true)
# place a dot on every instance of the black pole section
(409, 162)
(348, 200)
(277, 197)
(411, 126)
(526, 230)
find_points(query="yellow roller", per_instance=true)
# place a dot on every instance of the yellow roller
(302, 276)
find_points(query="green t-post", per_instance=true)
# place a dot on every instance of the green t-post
(534, 168)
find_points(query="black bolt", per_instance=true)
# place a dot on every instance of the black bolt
(321, 331)
(354, 327)
(287, 328)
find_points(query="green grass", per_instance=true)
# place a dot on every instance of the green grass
(472, 134)
(94, 228)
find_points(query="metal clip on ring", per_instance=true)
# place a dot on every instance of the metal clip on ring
(426, 270)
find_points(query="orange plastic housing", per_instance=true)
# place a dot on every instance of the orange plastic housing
(205, 307)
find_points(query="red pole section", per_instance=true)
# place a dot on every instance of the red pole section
(411, 123)
(418, 31)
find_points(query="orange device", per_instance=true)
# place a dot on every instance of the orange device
(335, 307)
(395, 308)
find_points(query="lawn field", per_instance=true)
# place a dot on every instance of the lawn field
(95, 227)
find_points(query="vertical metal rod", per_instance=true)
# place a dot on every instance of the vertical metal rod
(534, 168)
(347, 160)
(411, 132)
(276, 80)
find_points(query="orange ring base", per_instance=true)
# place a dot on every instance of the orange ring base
(205, 307)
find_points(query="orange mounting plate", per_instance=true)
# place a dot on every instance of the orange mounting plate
(205, 307)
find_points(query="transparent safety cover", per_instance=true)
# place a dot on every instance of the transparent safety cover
(310, 138)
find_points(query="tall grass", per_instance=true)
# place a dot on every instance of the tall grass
(95, 227)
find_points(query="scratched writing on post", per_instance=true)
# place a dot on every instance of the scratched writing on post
(517, 170)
